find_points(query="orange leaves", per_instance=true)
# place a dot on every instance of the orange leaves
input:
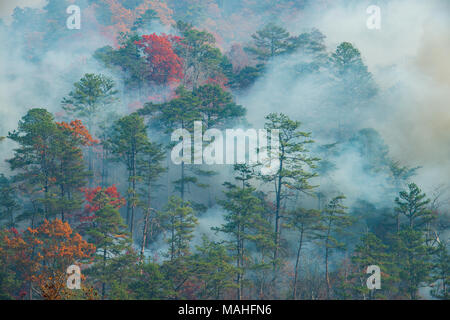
(98, 197)
(45, 251)
(123, 18)
(56, 240)
(164, 64)
(79, 131)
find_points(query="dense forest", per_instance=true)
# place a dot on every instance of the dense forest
(88, 178)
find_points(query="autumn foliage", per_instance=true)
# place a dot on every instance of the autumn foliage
(42, 255)
(98, 197)
(79, 131)
(164, 65)
(122, 19)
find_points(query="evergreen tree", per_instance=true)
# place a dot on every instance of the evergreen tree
(305, 223)
(414, 261)
(334, 220)
(372, 251)
(269, 42)
(179, 113)
(128, 141)
(129, 61)
(243, 222)
(178, 222)
(440, 272)
(8, 202)
(151, 284)
(109, 234)
(293, 161)
(216, 105)
(201, 60)
(90, 96)
(413, 205)
(70, 174)
(33, 160)
(149, 168)
(354, 82)
(214, 269)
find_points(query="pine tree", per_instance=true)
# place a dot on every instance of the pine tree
(413, 205)
(294, 161)
(151, 284)
(334, 220)
(216, 105)
(305, 223)
(128, 141)
(414, 261)
(90, 96)
(201, 60)
(129, 59)
(440, 272)
(108, 233)
(355, 83)
(243, 222)
(269, 42)
(179, 113)
(149, 168)
(178, 222)
(70, 172)
(33, 160)
(372, 251)
(214, 269)
(8, 202)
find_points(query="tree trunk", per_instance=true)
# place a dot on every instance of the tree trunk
(297, 264)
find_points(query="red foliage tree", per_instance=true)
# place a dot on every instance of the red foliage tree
(96, 198)
(164, 65)
(79, 131)
(41, 255)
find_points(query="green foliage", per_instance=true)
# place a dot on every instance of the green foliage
(269, 42)
(334, 220)
(213, 269)
(413, 205)
(414, 261)
(8, 202)
(372, 251)
(294, 160)
(354, 80)
(202, 60)
(127, 142)
(91, 94)
(440, 272)
(127, 59)
(151, 284)
(179, 221)
(244, 224)
(114, 252)
(48, 159)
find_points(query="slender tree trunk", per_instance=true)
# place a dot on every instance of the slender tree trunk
(182, 181)
(277, 214)
(104, 275)
(133, 202)
(327, 276)
(297, 264)
(146, 221)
